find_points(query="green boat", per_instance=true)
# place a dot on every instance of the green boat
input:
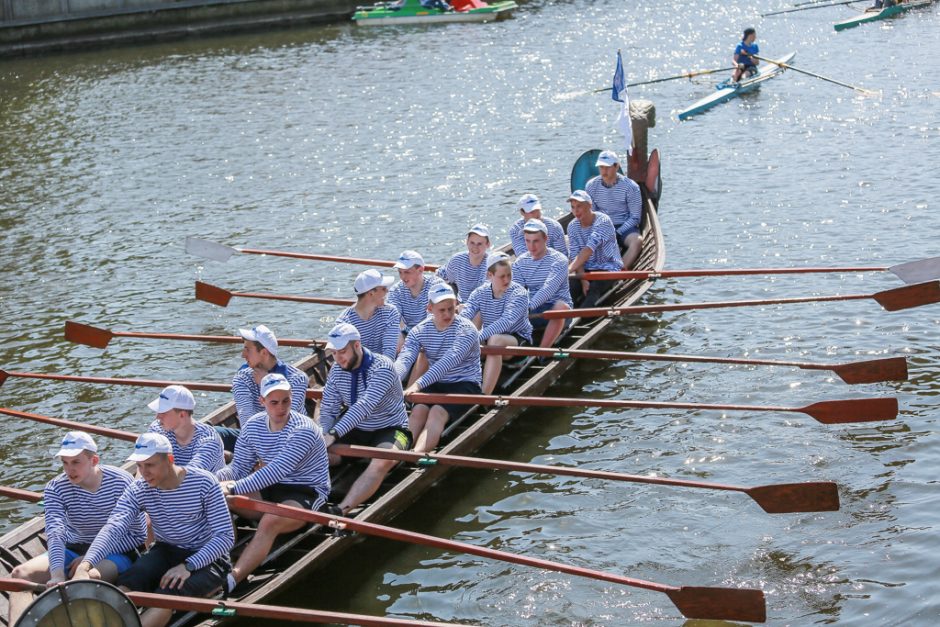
(414, 12)
(873, 15)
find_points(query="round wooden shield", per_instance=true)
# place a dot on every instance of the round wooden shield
(84, 603)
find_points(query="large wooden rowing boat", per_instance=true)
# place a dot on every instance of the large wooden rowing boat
(873, 15)
(313, 548)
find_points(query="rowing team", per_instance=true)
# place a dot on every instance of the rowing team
(98, 517)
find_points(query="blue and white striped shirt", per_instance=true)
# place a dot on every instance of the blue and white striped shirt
(380, 332)
(295, 455)
(463, 274)
(194, 517)
(453, 354)
(413, 309)
(545, 278)
(379, 401)
(622, 202)
(204, 451)
(556, 236)
(247, 393)
(75, 516)
(507, 314)
(601, 238)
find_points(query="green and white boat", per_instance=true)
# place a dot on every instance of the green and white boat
(873, 15)
(414, 12)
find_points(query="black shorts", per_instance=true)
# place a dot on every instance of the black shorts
(399, 437)
(280, 492)
(454, 387)
(145, 574)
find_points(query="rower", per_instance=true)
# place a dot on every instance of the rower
(745, 56)
(190, 521)
(531, 209)
(592, 246)
(77, 503)
(500, 310)
(466, 270)
(379, 324)
(194, 443)
(619, 197)
(280, 456)
(368, 387)
(410, 295)
(543, 271)
(452, 346)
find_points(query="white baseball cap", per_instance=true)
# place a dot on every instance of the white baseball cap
(148, 445)
(273, 381)
(529, 203)
(409, 259)
(371, 279)
(74, 443)
(173, 397)
(479, 229)
(608, 158)
(441, 291)
(535, 226)
(341, 335)
(581, 195)
(263, 335)
(493, 258)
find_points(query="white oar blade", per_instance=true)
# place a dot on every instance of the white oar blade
(209, 250)
(919, 271)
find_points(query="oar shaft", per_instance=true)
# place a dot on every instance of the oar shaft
(380, 263)
(813, 74)
(71, 425)
(711, 272)
(815, 5)
(343, 302)
(690, 75)
(20, 495)
(219, 339)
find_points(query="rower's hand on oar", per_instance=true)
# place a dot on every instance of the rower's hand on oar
(58, 575)
(175, 577)
(73, 567)
(412, 389)
(86, 571)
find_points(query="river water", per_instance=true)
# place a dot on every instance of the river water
(366, 142)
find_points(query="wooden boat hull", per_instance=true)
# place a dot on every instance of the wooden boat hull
(874, 16)
(379, 15)
(724, 94)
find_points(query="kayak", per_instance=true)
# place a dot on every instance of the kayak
(873, 15)
(726, 90)
(413, 12)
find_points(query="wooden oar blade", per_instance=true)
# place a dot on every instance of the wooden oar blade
(873, 370)
(86, 334)
(212, 294)
(853, 410)
(4, 375)
(209, 250)
(909, 296)
(918, 271)
(787, 498)
(742, 604)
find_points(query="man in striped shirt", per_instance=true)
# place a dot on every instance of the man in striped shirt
(467, 270)
(592, 246)
(190, 521)
(619, 197)
(500, 310)
(410, 295)
(280, 456)
(194, 443)
(77, 504)
(368, 387)
(379, 324)
(531, 209)
(543, 271)
(452, 346)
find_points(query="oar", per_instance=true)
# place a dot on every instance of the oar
(807, 8)
(862, 90)
(826, 412)
(221, 252)
(100, 338)
(892, 300)
(740, 604)
(868, 371)
(230, 609)
(147, 383)
(691, 74)
(911, 272)
(221, 297)
(71, 425)
(781, 498)
(20, 495)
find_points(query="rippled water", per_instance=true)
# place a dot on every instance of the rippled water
(367, 142)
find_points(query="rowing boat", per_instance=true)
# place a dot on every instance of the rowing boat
(317, 546)
(873, 15)
(412, 12)
(726, 90)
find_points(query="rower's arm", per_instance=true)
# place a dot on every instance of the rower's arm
(120, 525)
(55, 528)
(466, 342)
(516, 310)
(553, 283)
(577, 265)
(290, 457)
(383, 382)
(407, 356)
(219, 520)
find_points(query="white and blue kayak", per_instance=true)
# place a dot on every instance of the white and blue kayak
(726, 91)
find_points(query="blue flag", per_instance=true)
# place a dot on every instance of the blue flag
(619, 85)
(619, 94)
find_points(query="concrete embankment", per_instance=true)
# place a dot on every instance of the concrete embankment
(40, 26)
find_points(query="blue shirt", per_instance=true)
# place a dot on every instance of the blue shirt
(556, 236)
(380, 332)
(247, 393)
(372, 394)
(453, 354)
(750, 49)
(622, 202)
(462, 273)
(507, 314)
(413, 309)
(601, 238)
(204, 451)
(546, 279)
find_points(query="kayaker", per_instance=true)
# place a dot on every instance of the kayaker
(592, 245)
(194, 443)
(543, 271)
(378, 323)
(467, 270)
(619, 197)
(531, 209)
(366, 384)
(744, 55)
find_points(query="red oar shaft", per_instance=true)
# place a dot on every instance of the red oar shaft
(20, 495)
(99, 338)
(710, 272)
(297, 299)
(379, 263)
(73, 426)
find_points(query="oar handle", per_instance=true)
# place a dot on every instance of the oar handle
(71, 425)
(20, 495)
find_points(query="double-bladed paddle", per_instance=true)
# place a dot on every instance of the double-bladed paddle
(221, 297)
